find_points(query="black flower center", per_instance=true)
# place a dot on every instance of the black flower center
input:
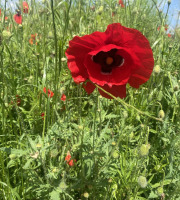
(108, 60)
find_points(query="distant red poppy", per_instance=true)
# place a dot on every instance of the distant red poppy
(111, 59)
(0, 11)
(71, 162)
(68, 157)
(25, 7)
(169, 35)
(18, 18)
(63, 97)
(121, 3)
(42, 115)
(6, 18)
(158, 28)
(50, 93)
(166, 27)
(33, 39)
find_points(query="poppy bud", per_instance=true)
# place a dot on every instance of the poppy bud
(161, 114)
(160, 191)
(12, 156)
(86, 195)
(160, 96)
(157, 69)
(176, 87)
(62, 185)
(142, 181)
(63, 59)
(6, 34)
(50, 35)
(144, 149)
(169, 2)
(138, 117)
(115, 154)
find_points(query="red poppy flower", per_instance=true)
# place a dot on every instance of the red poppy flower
(33, 39)
(68, 157)
(63, 97)
(121, 3)
(158, 28)
(25, 7)
(71, 162)
(111, 59)
(50, 93)
(169, 35)
(18, 18)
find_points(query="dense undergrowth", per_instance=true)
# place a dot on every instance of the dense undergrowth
(67, 144)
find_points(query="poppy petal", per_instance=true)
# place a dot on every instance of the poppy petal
(89, 87)
(18, 19)
(78, 48)
(115, 90)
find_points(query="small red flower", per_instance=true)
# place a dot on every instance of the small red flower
(0, 11)
(6, 18)
(50, 93)
(169, 35)
(63, 97)
(25, 7)
(158, 28)
(33, 39)
(71, 162)
(166, 27)
(111, 59)
(42, 115)
(68, 157)
(18, 18)
(121, 3)
(18, 100)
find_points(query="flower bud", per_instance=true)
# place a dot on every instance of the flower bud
(142, 181)
(12, 156)
(169, 2)
(161, 114)
(6, 34)
(176, 88)
(157, 69)
(144, 149)
(160, 191)
(115, 154)
(86, 195)
(50, 35)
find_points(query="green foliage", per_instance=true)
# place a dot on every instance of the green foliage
(111, 145)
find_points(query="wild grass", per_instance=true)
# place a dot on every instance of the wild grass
(120, 149)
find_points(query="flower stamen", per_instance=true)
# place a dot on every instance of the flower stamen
(109, 60)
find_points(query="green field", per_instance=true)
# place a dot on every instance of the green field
(59, 139)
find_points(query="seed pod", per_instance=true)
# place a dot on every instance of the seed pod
(161, 114)
(142, 181)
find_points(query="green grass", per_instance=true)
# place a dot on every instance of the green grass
(112, 142)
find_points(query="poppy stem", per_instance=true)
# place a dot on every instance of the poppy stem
(128, 105)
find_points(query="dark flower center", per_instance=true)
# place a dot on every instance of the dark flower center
(108, 60)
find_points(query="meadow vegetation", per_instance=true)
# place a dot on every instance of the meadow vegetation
(56, 141)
